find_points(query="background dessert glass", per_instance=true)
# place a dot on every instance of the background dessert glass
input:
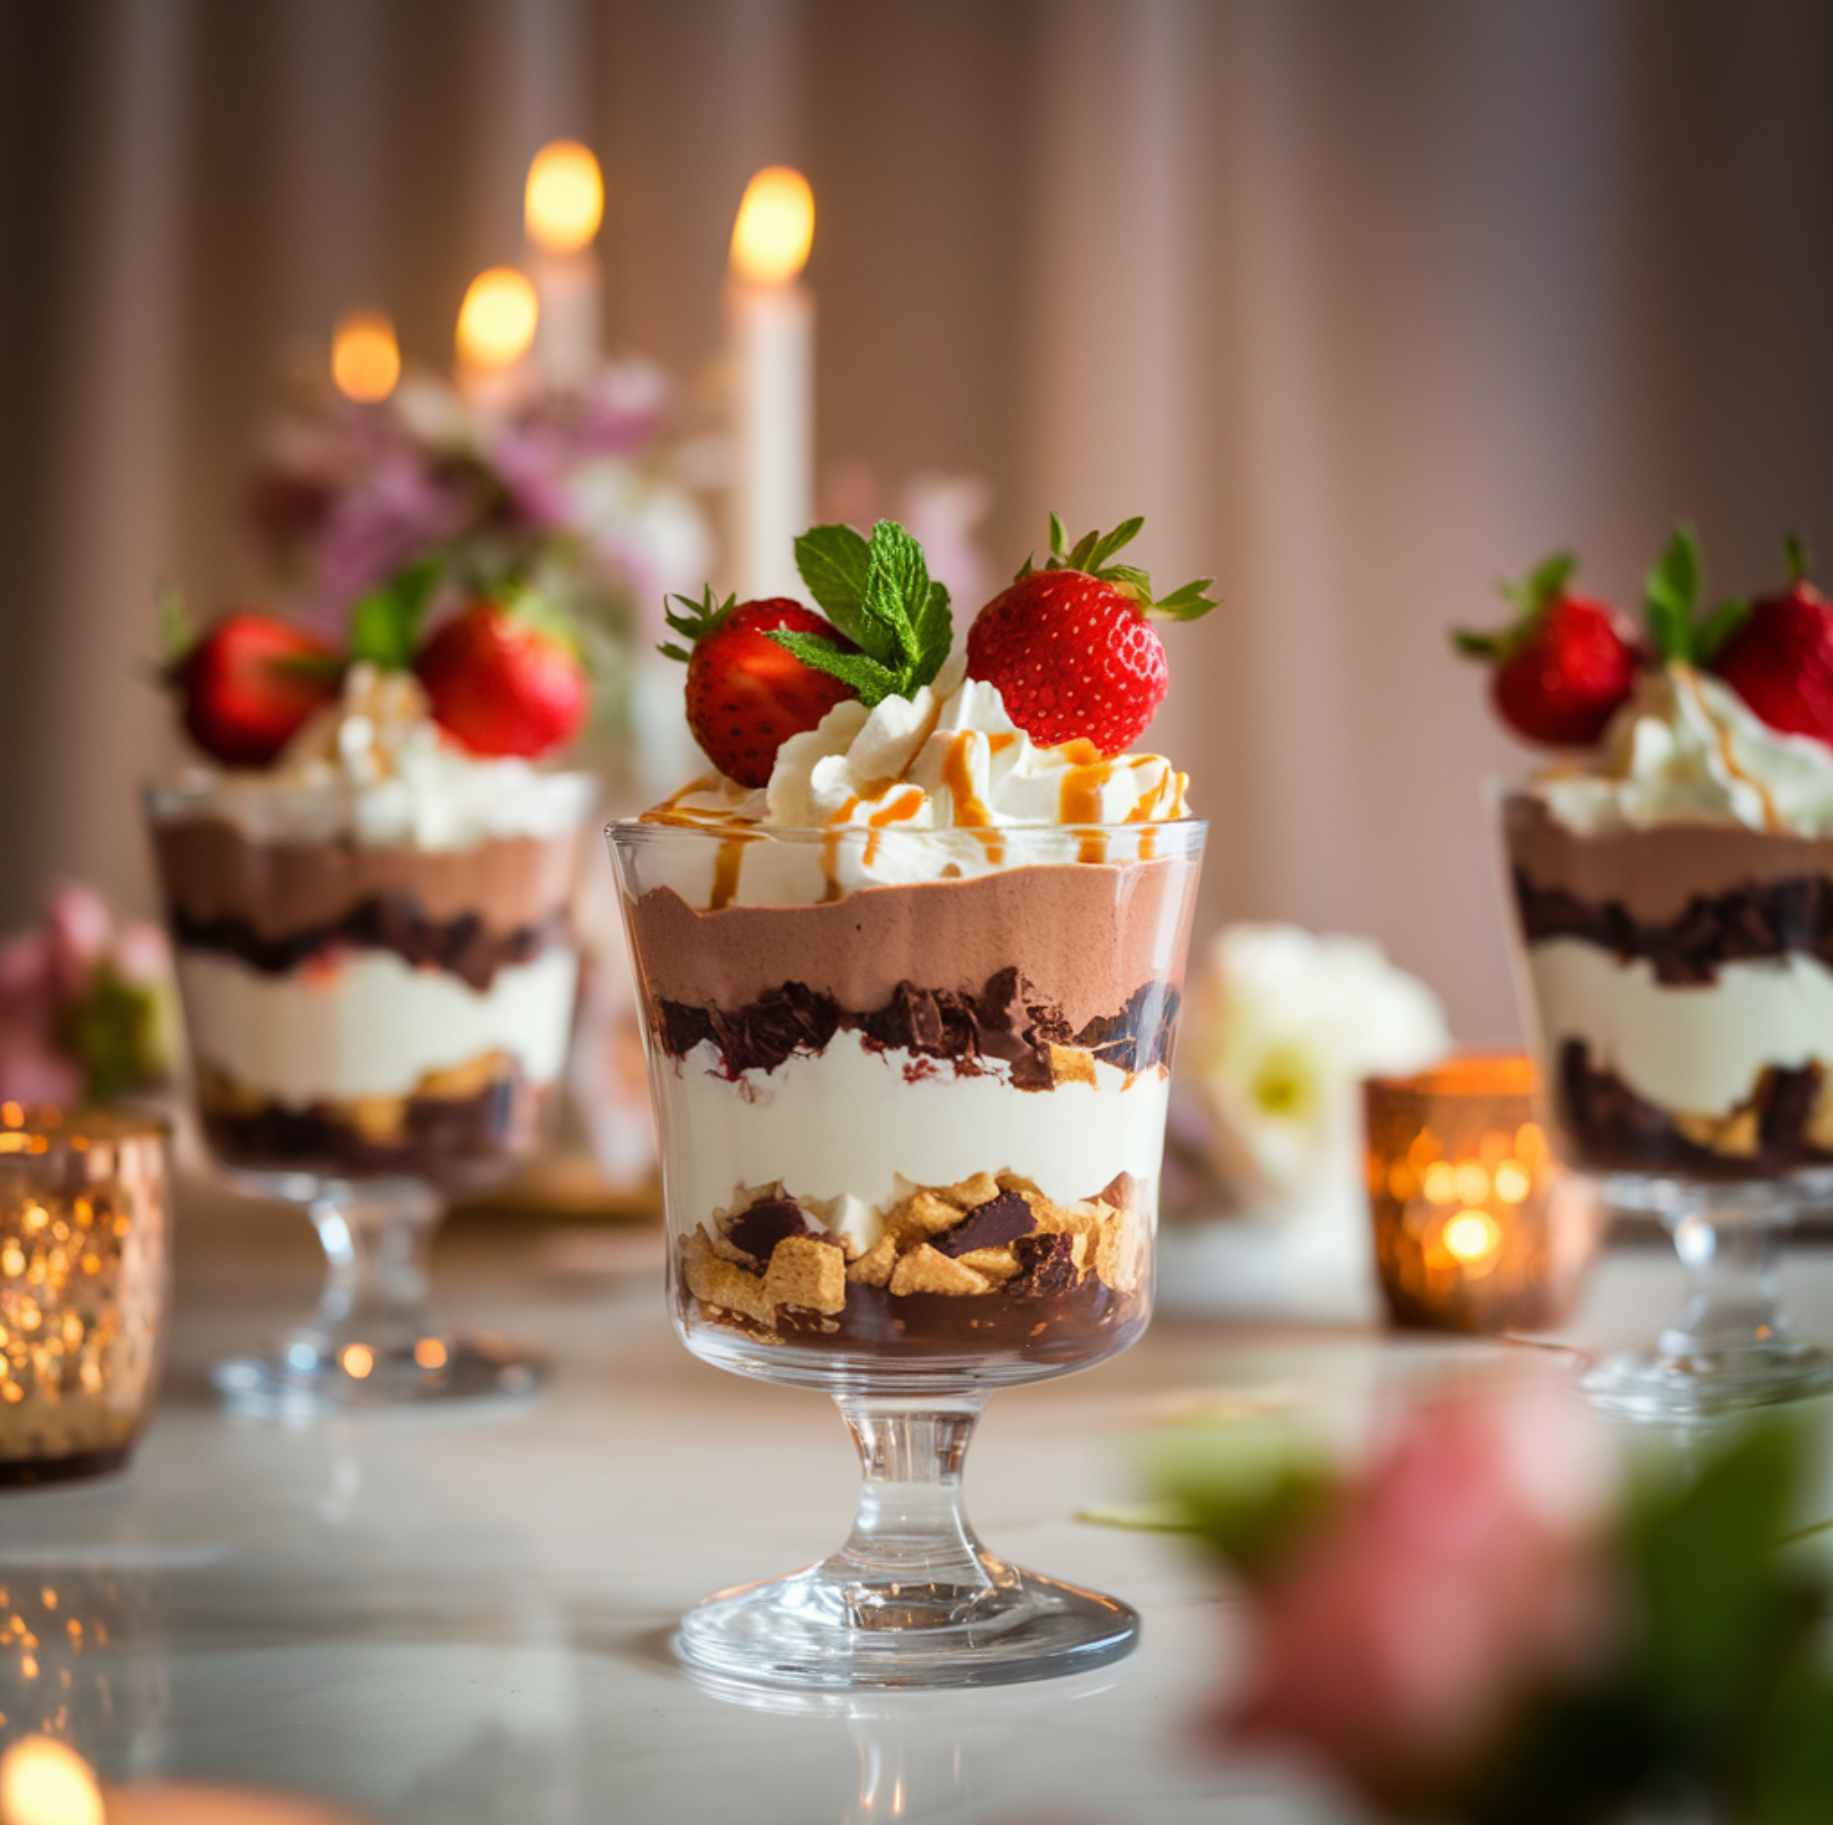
(1683, 1022)
(372, 1026)
(911, 1138)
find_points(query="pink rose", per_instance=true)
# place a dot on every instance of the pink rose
(1462, 1575)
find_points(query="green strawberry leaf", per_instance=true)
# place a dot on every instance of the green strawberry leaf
(176, 634)
(1719, 626)
(1091, 554)
(889, 608)
(1535, 593)
(1795, 555)
(385, 624)
(696, 621)
(1672, 595)
(113, 1032)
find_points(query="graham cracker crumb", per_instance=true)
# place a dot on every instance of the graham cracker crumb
(1072, 1065)
(996, 1263)
(1734, 1136)
(1819, 1131)
(807, 1272)
(928, 1270)
(718, 1282)
(982, 1188)
(927, 1215)
(873, 1268)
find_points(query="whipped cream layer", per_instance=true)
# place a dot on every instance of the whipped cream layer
(915, 789)
(374, 768)
(1686, 748)
(1694, 1049)
(849, 1123)
(365, 1023)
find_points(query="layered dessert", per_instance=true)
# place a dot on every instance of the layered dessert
(910, 996)
(1673, 887)
(374, 943)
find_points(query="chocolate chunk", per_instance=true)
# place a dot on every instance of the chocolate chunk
(1047, 1266)
(758, 1230)
(680, 1027)
(1141, 1034)
(1004, 1219)
(1755, 920)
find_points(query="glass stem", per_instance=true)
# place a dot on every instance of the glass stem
(911, 1546)
(376, 1242)
(1734, 1275)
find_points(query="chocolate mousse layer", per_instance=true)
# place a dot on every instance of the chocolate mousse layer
(216, 875)
(1653, 877)
(1085, 936)
(1784, 1126)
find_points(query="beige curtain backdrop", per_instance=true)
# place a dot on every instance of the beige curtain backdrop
(1363, 302)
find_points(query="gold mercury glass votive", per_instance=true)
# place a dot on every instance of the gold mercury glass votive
(84, 1244)
(1477, 1227)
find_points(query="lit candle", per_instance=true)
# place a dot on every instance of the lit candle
(365, 358)
(772, 318)
(562, 208)
(496, 326)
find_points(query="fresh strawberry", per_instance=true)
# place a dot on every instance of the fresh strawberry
(1564, 666)
(1069, 647)
(504, 682)
(746, 694)
(249, 683)
(1779, 659)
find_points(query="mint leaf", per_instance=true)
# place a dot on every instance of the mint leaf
(833, 561)
(1672, 594)
(879, 594)
(385, 624)
(873, 682)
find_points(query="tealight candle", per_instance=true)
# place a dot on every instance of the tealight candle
(1477, 1228)
(84, 1237)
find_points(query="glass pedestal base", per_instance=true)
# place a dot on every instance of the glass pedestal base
(1731, 1347)
(374, 1344)
(306, 1383)
(823, 1628)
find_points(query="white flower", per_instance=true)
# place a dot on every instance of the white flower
(1284, 1025)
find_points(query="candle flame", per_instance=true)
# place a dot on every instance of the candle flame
(496, 322)
(43, 1782)
(775, 227)
(365, 358)
(1472, 1236)
(565, 199)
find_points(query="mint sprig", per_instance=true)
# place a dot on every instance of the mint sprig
(1090, 554)
(878, 592)
(1671, 595)
(385, 623)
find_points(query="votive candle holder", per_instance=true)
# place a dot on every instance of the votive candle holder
(1477, 1226)
(85, 1230)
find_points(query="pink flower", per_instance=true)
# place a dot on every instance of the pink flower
(80, 929)
(1462, 1576)
(32, 1068)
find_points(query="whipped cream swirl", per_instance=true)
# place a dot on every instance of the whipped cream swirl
(917, 788)
(1686, 748)
(376, 769)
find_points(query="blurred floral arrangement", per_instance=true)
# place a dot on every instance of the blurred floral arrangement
(1500, 1619)
(585, 496)
(86, 1005)
(1281, 1027)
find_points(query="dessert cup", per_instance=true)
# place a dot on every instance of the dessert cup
(911, 1136)
(1675, 978)
(372, 1026)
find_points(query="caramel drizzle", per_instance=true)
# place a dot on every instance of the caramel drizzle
(1771, 818)
(898, 810)
(970, 810)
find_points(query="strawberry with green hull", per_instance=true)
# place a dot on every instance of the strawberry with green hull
(1069, 646)
(1564, 666)
(746, 692)
(504, 683)
(249, 683)
(1779, 656)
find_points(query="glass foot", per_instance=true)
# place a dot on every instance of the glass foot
(305, 1383)
(1660, 1386)
(824, 1628)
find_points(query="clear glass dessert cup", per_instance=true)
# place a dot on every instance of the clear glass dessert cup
(372, 1027)
(1684, 1024)
(911, 1093)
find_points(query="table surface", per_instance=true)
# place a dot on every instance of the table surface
(466, 1619)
